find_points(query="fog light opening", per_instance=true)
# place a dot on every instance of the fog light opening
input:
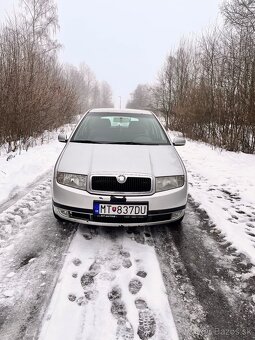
(63, 212)
(177, 214)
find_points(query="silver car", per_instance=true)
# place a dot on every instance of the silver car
(119, 168)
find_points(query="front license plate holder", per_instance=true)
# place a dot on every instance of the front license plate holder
(129, 209)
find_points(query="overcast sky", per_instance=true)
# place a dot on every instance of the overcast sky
(125, 42)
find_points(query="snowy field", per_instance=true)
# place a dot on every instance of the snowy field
(24, 168)
(223, 183)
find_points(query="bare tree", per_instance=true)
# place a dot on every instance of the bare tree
(240, 13)
(141, 98)
(36, 92)
(207, 90)
(106, 95)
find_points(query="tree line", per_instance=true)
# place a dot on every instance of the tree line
(206, 87)
(37, 93)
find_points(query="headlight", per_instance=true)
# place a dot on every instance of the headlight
(72, 180)
(168, 183)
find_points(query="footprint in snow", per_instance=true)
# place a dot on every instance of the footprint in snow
(126, 263)
(95, 267)
(115, 293)
(71, 297)
(124, 330)
(87, 236)
(241, 212)
(147, 322)
(76, 261)
(87, 279)
(91, 294)
(139, 238)
(107, 276)
(140, 304)
(141, 273)
(134, 286)
(81, 301)
(118, 309)
(115, 266)
(124, 253)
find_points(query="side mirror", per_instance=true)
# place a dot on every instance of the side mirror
(62, 138)
(179, 141)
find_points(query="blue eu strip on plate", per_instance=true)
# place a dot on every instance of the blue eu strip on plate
(96, 208)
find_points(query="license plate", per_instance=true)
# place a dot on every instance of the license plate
(120, 209)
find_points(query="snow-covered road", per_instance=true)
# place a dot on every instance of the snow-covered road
(110, 288)
(137, 283)
(32, 251)
(74, 282)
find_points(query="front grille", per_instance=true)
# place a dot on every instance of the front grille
(110, 184)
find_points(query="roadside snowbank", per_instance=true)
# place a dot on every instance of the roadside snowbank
(223, 183)
(25, 168)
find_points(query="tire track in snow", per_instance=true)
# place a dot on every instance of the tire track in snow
(228, 210)
(110, 287)
(32, 247)
(16, 196)
(14, 218)
(210, 287)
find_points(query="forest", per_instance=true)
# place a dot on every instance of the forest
(37, 92)
(206, 87)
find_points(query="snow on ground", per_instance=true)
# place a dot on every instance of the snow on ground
(15, 218)
(106, 290)
(24, 169)
(32, 245)
(223, 183)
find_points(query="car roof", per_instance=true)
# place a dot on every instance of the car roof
(121, 111)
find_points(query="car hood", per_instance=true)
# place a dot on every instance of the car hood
(155, 160)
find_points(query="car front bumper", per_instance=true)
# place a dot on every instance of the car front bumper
(77, 206)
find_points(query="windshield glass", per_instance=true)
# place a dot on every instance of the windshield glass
(119, 128)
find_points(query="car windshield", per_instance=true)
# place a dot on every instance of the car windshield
(119, 128)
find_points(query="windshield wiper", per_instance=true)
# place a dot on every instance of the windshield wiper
(88, 141)
(132, 143)
(129, 143)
